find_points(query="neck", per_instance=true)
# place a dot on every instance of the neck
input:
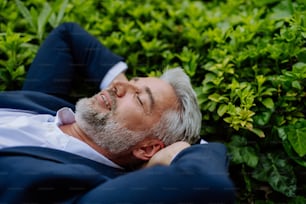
(75, 131)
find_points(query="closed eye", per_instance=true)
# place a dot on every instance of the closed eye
(139, 100)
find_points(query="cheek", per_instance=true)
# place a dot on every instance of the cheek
(133, 118)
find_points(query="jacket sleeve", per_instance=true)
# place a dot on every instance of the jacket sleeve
(67, 55)
(197, 175)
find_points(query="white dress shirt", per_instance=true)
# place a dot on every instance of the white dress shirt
(23, 128)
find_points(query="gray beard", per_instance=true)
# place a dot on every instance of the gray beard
(103, 130)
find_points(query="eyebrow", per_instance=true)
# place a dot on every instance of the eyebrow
(152, 100)
(149, 93)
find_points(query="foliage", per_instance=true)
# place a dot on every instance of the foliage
(246, 60)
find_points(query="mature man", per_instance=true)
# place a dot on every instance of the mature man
(51, 154)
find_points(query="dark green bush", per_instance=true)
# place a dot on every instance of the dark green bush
(246, 59)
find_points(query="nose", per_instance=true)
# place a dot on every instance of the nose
(121, 88)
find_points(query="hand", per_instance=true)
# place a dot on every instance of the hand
(167, 154)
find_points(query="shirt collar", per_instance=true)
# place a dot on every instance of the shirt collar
(64, 116)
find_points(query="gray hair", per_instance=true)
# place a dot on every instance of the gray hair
(182, 123)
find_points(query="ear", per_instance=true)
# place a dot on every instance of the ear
(147, 148)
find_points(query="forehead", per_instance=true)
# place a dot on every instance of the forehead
(152, 81)
(162, 92)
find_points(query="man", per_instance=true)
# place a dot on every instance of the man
(144, 124)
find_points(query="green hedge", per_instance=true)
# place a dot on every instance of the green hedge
(246, 59)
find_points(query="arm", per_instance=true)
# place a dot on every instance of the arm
(69, 52)
(198, 174)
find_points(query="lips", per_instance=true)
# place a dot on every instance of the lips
(104, 99)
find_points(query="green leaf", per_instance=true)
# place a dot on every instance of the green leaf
(282, 10)
(222, 110)
(25, 12)
(302, 55)
(61, 12)
(274, 169)
(257, 131)
(242, 153)
(262, 118)
(296, 134)
(249, 156)
(59, 6)
(268, 103)
(42, 20)
(297, 137)
(282, 133)
(217, 97)
(297, 85)
(292, 154)
(18, 72)
(268, 92)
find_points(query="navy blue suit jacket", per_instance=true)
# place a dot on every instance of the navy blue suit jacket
(40, 175)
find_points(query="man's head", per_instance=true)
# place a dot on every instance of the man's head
(142, 115)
